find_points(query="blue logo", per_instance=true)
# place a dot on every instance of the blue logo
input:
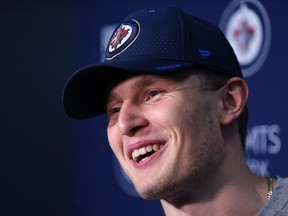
(204, 53)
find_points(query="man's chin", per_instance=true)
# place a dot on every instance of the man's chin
(152, 191)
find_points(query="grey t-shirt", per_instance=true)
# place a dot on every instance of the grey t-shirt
(278, 202)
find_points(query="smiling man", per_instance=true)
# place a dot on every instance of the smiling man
(175, 99)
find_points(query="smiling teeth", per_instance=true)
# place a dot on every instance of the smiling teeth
(138, 154)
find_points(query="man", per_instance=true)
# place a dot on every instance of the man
(175, 100)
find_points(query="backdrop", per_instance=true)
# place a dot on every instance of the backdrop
(51, 165)
(258, 33)
(36, 57)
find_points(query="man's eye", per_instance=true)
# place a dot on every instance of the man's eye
(115, 110)
(153, 94)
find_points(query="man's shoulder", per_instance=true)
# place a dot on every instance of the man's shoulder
(278, 203)
(281, 188)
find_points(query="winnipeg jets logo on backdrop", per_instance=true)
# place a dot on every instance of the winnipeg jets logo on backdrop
(247, 28)
(124, 35)
(243, 35)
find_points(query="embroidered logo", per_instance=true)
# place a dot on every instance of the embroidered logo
(124, 35)
(204, 53)
(118, 37)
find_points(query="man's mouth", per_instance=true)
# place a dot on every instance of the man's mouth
(143, 153)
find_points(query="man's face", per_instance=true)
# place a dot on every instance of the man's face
(165, 133)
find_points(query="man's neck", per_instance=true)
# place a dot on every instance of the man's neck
(233, 191)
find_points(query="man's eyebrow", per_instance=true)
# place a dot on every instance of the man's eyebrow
(111, 97)
(144, 81)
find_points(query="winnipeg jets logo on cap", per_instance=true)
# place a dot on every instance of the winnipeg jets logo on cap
(124, 35)
(120, 36)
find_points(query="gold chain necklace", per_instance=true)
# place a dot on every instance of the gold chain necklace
(270, 187)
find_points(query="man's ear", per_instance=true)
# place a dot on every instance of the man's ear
(234, 98)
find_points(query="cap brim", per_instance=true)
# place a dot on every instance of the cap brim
(86, 90)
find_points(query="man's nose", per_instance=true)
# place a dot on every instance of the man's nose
(131, 119)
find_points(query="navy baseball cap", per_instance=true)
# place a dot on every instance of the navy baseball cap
(154, 41)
